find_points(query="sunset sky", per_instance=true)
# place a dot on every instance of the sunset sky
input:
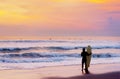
(60, 17)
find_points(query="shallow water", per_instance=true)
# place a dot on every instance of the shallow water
(41, 53)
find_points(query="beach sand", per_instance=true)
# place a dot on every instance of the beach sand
(99, 71)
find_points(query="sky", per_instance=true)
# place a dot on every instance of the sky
(59, 17)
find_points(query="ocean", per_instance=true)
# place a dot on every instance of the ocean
(31, 54)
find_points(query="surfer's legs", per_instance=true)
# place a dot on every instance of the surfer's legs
(82, 65)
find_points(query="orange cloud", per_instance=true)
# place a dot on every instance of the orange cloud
(98, 1)
(16, 14)
(56, 14)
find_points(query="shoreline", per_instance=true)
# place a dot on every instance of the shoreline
(15, 68)
(61, 72)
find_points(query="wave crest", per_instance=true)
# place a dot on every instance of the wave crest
(9, 50)
(41, 55)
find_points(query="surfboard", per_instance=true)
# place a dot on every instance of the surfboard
(89, 51)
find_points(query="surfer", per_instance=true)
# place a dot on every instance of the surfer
(84, 59)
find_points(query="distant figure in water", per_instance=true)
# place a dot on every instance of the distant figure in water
(84, 59)
(89, 51)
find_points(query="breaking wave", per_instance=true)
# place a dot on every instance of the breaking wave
(10, 50)
(49, 55)
(79, 47)
(16, 49)
(39, 55)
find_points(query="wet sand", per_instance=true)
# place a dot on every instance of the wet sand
(100, 71)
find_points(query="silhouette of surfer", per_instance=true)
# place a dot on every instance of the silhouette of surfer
(84, 59)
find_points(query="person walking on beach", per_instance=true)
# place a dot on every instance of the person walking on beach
(84, 59)
(89, 51)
